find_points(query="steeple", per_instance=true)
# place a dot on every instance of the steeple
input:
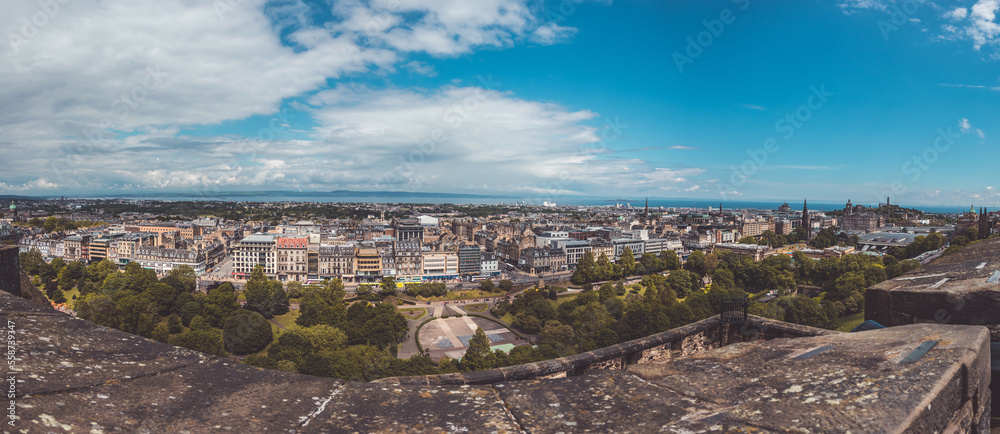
(805, 217)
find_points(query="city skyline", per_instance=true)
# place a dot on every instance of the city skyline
(733, 100)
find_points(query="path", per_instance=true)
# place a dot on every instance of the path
(277, 324)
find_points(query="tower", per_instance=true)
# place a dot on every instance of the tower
(645, 211)
(984, 224)
(13, 210)
(805, 218)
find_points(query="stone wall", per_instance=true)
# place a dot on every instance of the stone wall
(698, 337)
(75, 376)
(10, 270)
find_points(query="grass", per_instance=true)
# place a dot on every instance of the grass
(459, 295)
(478, 307)
(69, 295)
(288, 319)
(413, 313)
(851, 321)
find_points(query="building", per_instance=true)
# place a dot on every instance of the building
(129, 242)
(407, 230)
(292, 259)
(489, 265)
(657, 245)
(638, 247)
(426, 220)
(543, 260)
(970, 219)
(76, 248)
(469, 260)
(163, 260)
(409, 261)
(755, 227)
(440, 265)
(254, 250)
(575, 249)
(604, 247)
(336, 262)
(368, 264)
(754, 251)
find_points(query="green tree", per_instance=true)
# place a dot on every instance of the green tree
(160, 333)
(322, 304)
(246, 332)
(479, 356)
(200, 323)
(670, 260)
(627, 262)
(388, 286)
(695, 263)
(70, 274)
(219, 304)
(265, 296)
(680, 281)
(585, 268)
(204, 340)
(174, 325)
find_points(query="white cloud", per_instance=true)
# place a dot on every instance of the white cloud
(692, 188)
(552, 33)
(683, 147)
(420, 68)
(213, 65)
(977, 24)
(964, 125)
(984, 29)
(957, 14)
(849, 7)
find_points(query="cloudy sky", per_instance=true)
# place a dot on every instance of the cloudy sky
(727, 99)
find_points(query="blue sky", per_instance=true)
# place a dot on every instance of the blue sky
(774, 100)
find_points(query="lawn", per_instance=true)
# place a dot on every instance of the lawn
(851, 321)
(478, 307)
(70, 294)
(459, 295)
(288, 319)
(413, 313)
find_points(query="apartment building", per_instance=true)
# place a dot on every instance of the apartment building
(163, 260)
(337, 262)
(257, 249)
(291, 256)
(368, 263)
(469, 260)
(440, 265)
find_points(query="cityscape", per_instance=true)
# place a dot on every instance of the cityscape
(502, 216)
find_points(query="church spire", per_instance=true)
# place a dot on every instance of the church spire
(805, 217)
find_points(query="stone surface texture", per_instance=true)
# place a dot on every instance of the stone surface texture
(75, 376)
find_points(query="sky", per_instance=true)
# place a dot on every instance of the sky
(563, 99)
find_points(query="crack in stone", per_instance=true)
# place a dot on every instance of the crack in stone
(148, 374)
(506, 409)
(322, 407)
